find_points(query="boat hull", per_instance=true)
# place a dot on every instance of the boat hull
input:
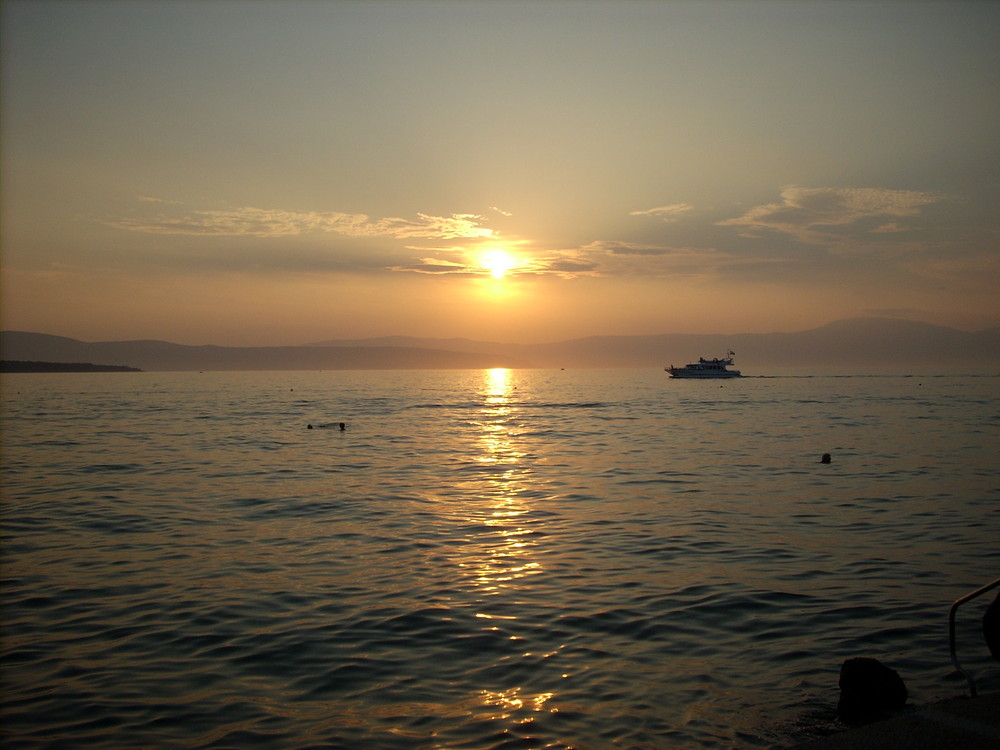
(703, 374)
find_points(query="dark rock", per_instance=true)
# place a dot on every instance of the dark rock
(868, 691)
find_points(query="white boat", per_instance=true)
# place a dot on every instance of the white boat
(706, 368)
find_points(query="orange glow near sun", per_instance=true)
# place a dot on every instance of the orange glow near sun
(497, 262)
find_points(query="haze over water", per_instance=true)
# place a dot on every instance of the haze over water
(482, 559)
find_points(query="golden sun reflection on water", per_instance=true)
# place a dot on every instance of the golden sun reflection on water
(505, 558)
(506, 704)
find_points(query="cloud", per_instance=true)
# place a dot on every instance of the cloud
(466, 260)
(819, 215)
(149, 199)
(656, 260)
(567, 267)
(629, 248)
(436, 227)
(664, 253)
(262, 222)
(435, 266)
(672, 212)
(599, 258)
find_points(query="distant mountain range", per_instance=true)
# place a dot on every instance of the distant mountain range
(163, 355)
(14, 365)
(859, 345)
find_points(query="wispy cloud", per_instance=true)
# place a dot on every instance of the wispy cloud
(891, 228)
(599, 258)
(568, 266)
(436, 266)
(629, 248)
(466, 260)
(692, 263)
(150, 199)
(262, 222)
(842, 220)
(818, 215)
(672, 212)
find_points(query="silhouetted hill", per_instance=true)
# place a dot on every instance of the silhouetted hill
(859, 345)
(871, 344)
(162, 355)
(7, 365)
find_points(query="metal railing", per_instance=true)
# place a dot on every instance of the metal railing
(951, 631)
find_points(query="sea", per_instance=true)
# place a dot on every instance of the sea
(484, 559)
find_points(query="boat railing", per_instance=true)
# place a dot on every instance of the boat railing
(951, 631)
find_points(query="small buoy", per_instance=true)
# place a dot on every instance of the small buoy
(825, 459)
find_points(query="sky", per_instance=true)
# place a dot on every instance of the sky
(242, 172)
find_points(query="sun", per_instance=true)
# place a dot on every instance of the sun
(497, 262)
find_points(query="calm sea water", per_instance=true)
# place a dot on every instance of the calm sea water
(482, 559)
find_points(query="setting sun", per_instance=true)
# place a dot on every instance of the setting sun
(497, 262)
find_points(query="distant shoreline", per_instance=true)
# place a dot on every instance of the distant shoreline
(13, 365)
(858, 345)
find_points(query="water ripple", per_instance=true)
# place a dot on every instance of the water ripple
(589, 560)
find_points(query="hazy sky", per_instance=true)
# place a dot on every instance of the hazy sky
(241, 172)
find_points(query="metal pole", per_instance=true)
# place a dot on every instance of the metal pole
(951, 631)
